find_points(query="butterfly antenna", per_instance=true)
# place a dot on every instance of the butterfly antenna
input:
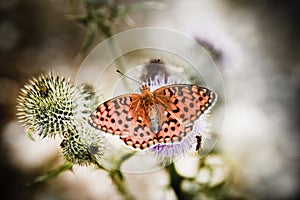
(128, 77)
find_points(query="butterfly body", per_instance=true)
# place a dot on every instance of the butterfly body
(165, 115)
(156, 117)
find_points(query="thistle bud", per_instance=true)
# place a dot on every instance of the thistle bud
(45, 106)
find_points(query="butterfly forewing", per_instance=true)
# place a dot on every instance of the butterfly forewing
(184, 104)
(117, 117)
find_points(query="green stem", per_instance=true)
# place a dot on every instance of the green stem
(118, 180)
(176, 181)
(117, 177)
(91, 33)
(53, 173)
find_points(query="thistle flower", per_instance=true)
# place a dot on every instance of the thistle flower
(50, 105)
(45, 106)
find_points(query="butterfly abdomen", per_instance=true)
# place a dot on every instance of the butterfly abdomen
(154, 123)
(156, 117)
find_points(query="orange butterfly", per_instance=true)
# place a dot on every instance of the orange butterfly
(165, 115)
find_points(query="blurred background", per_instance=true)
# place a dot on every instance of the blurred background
(256, 45)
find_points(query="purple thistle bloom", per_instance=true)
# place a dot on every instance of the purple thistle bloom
(168, 152)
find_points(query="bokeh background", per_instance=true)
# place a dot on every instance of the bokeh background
(256, 45)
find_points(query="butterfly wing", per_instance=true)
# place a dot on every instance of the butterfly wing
(124, 116)
(184, 104)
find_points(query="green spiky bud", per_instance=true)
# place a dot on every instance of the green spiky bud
(50, 105)
(84, 147)
(45, 105)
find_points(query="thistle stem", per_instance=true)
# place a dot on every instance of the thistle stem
(53, 173)
(118, 180)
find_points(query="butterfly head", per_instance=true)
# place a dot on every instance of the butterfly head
(147, 97)
(145, 88)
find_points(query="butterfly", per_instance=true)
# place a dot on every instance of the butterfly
(165, 115)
